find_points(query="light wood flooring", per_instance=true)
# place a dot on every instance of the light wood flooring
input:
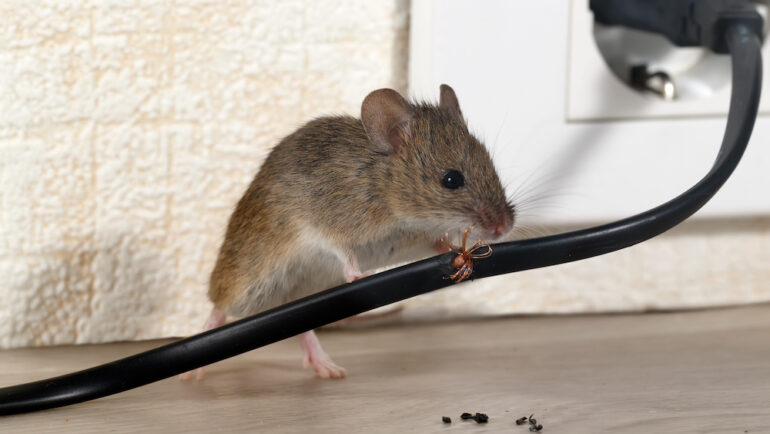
(681, 372)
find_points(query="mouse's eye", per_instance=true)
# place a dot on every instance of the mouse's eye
(453, 179)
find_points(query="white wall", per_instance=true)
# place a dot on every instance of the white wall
(543, 97)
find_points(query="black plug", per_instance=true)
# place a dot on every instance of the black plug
(686, 23)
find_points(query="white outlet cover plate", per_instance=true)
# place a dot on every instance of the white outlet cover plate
(588, 71)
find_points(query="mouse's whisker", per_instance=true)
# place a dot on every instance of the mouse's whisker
(530, 231)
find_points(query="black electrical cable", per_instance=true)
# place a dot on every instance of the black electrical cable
(413, 279)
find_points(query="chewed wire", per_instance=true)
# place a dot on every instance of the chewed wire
(465, 256)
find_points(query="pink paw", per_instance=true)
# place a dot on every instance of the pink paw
(360, 276)
(441, 247)
(324, 366)
(198, 373)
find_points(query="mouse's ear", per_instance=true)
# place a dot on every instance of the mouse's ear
(385, 114)
(448, 100)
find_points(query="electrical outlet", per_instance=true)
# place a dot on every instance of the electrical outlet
(602, 57)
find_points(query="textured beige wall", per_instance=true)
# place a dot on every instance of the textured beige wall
(128, 130)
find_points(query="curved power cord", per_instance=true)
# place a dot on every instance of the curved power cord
(413, 279)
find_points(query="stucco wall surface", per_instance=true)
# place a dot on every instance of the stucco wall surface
(129, 129)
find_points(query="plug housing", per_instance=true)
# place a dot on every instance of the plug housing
(686, 23)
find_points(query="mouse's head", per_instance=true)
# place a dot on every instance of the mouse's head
(439, 177)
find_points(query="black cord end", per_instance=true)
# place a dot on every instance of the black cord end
(686, 23)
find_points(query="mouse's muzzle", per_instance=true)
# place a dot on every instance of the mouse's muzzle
(494, 222)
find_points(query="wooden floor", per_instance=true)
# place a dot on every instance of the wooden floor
(685, 372)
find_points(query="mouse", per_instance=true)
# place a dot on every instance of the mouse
(343, 194)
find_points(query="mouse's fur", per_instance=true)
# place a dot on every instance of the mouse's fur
(340, 189)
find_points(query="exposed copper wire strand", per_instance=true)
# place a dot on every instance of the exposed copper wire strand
(464, 260)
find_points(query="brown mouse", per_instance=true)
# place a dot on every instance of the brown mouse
(343, 194)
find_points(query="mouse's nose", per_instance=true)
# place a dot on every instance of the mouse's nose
(495, 224)
(503, 226)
